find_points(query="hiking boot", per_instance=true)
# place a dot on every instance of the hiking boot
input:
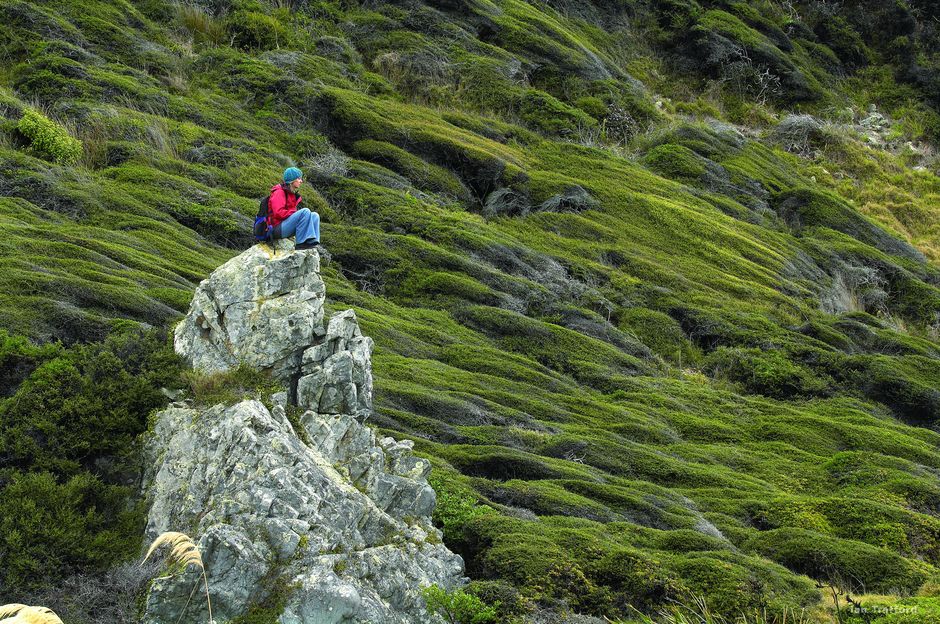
(308, 244)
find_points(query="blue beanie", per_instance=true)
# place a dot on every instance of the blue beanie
(291, 174)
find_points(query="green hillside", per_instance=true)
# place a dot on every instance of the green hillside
(655, 285)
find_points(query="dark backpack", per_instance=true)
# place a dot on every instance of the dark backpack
(263, 228)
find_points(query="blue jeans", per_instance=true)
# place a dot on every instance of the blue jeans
(303, 225)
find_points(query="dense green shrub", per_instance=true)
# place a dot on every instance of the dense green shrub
(851, 566)
(51, 527)
(48, 139)
(252, 30)
(746, 59)
(908, 386)
(807, 207)
(548, 114)
(420, 172)
(87, 405)
(674, 19)
(770, 373)
(509, 604)
(661, 333)
(635, 578)
(18, 358)
(67, 449)
(549, 572)
(455, 285)
(676, 162)
(456, 506)
(458, 607)
(845, 41)
(737, 584)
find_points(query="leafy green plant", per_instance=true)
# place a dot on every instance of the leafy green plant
(458, 607)
(49, 139)
(455, 507)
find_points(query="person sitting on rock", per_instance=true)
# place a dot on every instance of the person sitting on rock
(289, 220)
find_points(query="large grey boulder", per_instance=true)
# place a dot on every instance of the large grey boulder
(261, 308)
(331, 524)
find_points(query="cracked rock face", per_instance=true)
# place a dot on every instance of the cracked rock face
(341, 527)
(338, 372)
(331, 523)
(259, 308)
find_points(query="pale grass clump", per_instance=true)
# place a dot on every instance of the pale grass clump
(183, 552)
(201, 25)
(22, 614)
(697, 611)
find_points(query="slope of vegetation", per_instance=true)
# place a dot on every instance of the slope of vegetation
(652, 284)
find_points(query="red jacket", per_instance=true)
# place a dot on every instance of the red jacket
(281, 204)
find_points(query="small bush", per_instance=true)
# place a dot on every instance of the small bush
(458, 607)
(48, 139)
(548, 114)
(112, 596)
(510, 605)
(454, 285)
(485, 84)
(799, 134)
(661, 333)
(455, 507)
(331, 164)
(765, 372)
(676, 162)
(231, 386)
(251, 30)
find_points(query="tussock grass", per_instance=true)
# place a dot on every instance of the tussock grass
(23, 614)
(535, 354)
(183, 553)
(231, 386)
(697, 611)
(202, 26)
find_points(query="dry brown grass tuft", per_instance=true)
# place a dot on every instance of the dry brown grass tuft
(183, 552)
(22, 614)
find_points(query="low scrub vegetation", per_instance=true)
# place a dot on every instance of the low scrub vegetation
(654, 286)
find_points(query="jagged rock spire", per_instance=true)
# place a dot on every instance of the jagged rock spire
(331, 523)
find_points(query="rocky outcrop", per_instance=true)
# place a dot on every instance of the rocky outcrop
(337, 373)
(325, 523)
(261, 308)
